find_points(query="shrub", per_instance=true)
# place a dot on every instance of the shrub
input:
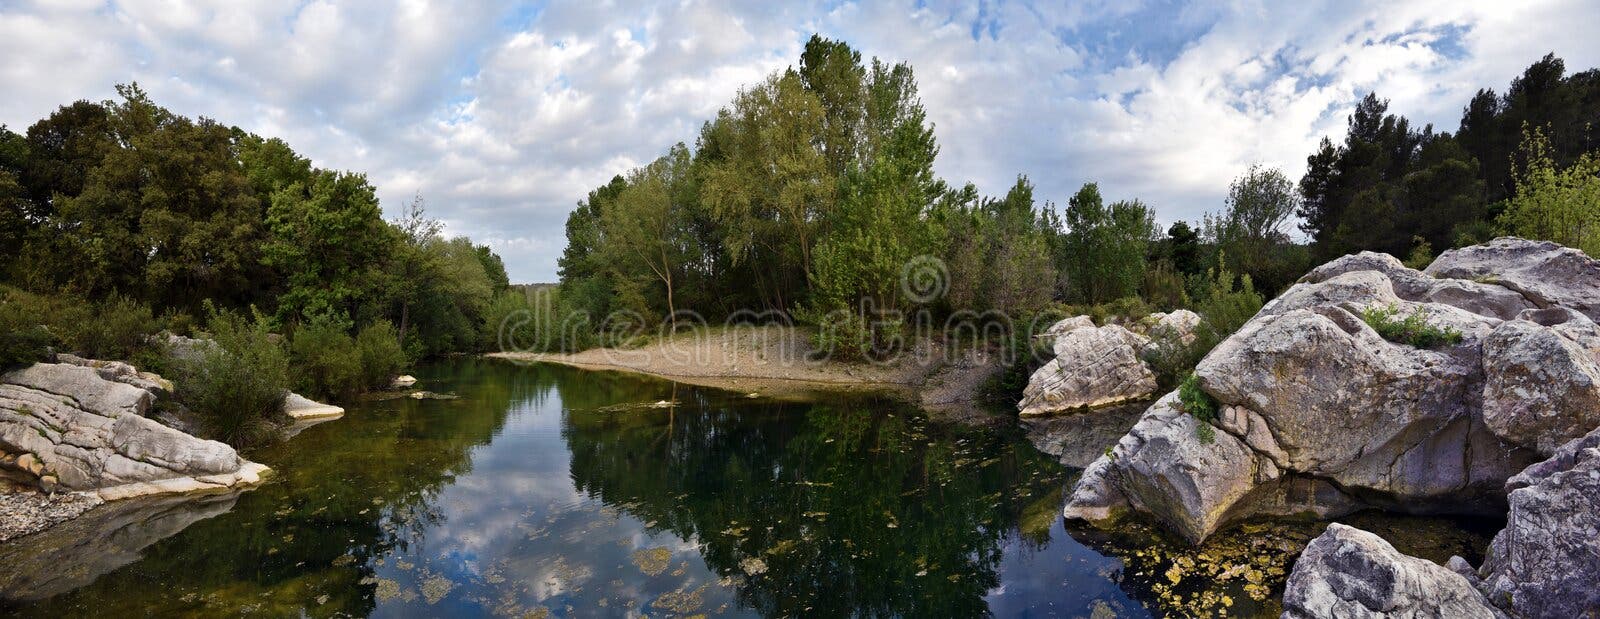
(1413, 330)
(236, 387)
(118, 328)
(1171, 360)
(1199, 404)
(382, 359)
(22, 339)
(1163, 286)
(1224, 305)
(326, 363)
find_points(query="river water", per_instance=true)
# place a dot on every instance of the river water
(550, 491)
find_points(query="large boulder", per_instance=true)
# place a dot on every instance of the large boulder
(1546, 562)
(1347, 573)
(1546, 274)
(1093, 366)
(1348, 419)
(1543, 378)
(70, 428)
(1099, 366)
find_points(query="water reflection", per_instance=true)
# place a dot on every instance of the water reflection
(547, 491)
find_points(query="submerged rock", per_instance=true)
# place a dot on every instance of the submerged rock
(1546, 562)
(76, 430)
(1350, 573)
(1318, 414)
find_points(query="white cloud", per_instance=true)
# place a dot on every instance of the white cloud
(503, 116)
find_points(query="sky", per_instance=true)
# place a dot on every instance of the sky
(502, 115)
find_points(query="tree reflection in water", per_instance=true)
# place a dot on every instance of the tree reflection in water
(553, 489)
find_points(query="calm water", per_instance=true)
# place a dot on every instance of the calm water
(547, 490)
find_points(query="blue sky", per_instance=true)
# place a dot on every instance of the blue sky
(504, 114)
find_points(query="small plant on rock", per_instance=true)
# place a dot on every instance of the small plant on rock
(1199, 404)
(1412, 330)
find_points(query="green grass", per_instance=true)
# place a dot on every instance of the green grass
(1412, 330)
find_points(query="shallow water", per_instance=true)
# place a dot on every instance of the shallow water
(552, 491)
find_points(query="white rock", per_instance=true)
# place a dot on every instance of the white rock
(1347, 573)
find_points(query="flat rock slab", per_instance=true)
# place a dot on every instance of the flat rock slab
(299, 407)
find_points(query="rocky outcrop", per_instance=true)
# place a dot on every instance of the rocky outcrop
(1351, 574)
(1546, 562)
(1543, 378)
(1319, 414)
(71, 428)
(1092, 367)
(1098, 366)
(1546, 274)
(123, 373)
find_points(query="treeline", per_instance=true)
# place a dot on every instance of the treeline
(127, 198)
(1516, 163)
(812, 195)
(120, 218)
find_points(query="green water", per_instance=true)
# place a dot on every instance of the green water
(552, 490)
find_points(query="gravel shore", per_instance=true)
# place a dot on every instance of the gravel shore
(22, 513)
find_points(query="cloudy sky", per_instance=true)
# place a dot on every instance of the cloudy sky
(503, 114)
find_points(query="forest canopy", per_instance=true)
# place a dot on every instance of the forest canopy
(174, 216)
(812, 194)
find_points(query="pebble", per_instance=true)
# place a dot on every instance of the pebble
(22, 513)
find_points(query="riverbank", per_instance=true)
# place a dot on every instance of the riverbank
(781, 362)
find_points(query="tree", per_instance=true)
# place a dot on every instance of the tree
(1552, 203)
(772, 189)
(1250, 229)
(15, 208)
(833, 72)
(328, 239)
(644, 226)
(1104, 250)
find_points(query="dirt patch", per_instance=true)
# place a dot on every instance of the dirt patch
(780, 362)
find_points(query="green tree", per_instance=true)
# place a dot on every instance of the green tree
(1555, 203)
(1105, 246)
(644, 227)
(329, 240)
(773, 188)
(1251, 228)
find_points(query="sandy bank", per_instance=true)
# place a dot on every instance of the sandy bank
(780, 362)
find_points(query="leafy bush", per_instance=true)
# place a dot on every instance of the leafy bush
(1170, 360)
(844, 335)
(378, 348)
(236, 387)
(1163, 287)
(326, 362)
(118, 329)
(1224, 305)
(1413, 330)
(1199, 404)
(22, 339)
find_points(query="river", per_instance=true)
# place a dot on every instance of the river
(551, 491)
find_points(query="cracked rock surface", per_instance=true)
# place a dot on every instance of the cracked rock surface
(69, 427)
(1319, 414)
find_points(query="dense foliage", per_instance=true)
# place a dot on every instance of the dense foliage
(126, 203)
(1389, 187)
(237, 386)
(121, 218)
